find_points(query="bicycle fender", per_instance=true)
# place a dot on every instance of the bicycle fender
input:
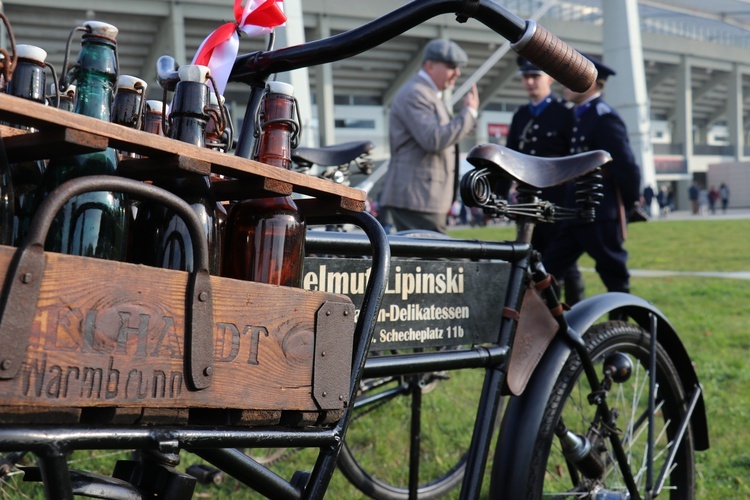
(583, 315)
(523, 415)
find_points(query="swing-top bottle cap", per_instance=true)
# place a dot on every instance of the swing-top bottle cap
(104, 30)
(70, 89)
(213, 100)
(154, 106)
(280, 88)
(129, 82)
(193, 73)
(31, 52)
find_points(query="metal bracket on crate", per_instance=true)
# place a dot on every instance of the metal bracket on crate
(21, 291)
(330, 382)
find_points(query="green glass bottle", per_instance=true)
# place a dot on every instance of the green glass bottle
(265, 237)
(91, 224)
(164, 240)
(28, 82)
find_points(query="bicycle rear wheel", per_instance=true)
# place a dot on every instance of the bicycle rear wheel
(551, 473)
(375, 457)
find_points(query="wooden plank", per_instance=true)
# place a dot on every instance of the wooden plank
(8, 131)
(312, 207)
(156, 167)
(24, 112)
(110, 334)
(52, 143)
(244, 189)
(39, 415)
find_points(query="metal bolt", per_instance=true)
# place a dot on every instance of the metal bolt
(27, 277)
(203, 296)
(325, 394)
(5, 364)
(346, 312)
(323, 354)
(208, 371)
(341, 398)
(328, 313)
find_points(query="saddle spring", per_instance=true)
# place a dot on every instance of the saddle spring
(589, 194)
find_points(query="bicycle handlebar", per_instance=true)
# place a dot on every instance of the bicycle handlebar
(528, 39)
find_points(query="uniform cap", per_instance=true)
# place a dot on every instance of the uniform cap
(445, 51)
(603, 70)
(524, 66)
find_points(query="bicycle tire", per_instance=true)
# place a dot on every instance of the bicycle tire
(549, 473)
(445, 461)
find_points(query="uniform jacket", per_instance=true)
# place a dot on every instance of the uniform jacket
(547, 134)
(598, 126)
(422, 136)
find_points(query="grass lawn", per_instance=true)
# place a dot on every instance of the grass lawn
(711, 315)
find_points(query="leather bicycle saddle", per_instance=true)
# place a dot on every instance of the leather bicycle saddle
(536, 171)
(328, 156)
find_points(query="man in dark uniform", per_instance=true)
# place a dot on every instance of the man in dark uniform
(598, 126)
(543, 127)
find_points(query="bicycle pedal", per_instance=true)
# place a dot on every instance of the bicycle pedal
(299, 479)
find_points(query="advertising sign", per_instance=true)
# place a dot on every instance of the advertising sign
(426, 304)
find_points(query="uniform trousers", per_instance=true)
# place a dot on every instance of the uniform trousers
(602, 240)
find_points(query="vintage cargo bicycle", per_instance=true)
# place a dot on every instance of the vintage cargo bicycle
(537, 353)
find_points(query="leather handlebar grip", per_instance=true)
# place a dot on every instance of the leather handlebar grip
(556, 58)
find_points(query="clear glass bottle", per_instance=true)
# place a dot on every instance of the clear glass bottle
(163, 236)
(265, 237)
(92, 224)
(65, 100)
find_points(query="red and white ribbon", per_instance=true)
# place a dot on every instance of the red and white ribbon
(219, 50)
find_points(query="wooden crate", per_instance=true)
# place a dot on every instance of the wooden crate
(106, 342)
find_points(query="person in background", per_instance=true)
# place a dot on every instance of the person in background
(420, 184)
(648, 199)
(694, 195)
(713, 197)
(598, 126)
(724, 194)
(543, 127)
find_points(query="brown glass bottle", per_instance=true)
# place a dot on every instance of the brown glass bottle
(265, 237)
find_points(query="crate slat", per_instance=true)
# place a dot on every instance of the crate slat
(47, 119)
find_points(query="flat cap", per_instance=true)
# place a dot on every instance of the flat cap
(446, 51)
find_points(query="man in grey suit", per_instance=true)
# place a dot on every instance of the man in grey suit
(419, 186)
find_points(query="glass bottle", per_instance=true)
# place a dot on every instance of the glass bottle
(265, 236)
(7, 197)
(28, 82)
(91, 224)
(65, 100)
(152, 116)
(127, 107)
(165, 239)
